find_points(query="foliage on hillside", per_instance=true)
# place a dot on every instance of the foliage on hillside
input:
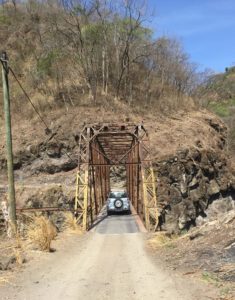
(77, 52)
(219, 87)
(217, 93)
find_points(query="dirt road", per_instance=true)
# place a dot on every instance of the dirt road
(110, 262)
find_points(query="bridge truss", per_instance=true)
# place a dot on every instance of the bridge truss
(102, 146)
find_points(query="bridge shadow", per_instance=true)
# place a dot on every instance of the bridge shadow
(101, 217)
(117, 223)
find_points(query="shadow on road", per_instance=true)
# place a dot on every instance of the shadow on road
(117, 223)
(103, 215)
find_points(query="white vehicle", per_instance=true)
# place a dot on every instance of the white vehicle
(118, 201)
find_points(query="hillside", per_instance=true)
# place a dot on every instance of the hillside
(91, 54)
(218, 95)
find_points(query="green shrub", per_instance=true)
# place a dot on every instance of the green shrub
(4, 20)
(45, 63)
(220, 108)
(223, 108)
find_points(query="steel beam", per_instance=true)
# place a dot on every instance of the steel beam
(102, 146)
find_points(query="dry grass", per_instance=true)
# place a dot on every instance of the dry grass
(41, 232)
(19, 255)
(160, 239)
(5, 279)
(71, 224)
(14, 246)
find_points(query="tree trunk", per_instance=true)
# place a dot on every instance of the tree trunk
(107, 74)
(103, 70)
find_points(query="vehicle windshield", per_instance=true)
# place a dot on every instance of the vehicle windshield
(118, 195)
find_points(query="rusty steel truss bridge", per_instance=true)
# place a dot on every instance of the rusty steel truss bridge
(102, 146)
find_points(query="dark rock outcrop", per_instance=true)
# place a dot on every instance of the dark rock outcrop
(51, 156)
(188, 183)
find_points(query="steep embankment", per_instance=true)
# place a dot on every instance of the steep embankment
(189, 153)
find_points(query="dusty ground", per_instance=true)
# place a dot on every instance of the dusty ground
(110, 262)
(206, 252)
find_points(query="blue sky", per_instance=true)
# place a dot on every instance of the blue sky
(205, 27)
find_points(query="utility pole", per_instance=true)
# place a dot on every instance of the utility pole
(7, 113)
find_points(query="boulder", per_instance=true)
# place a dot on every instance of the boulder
(213, 188)
(193, 183)
(54, 149)
(174, 196)
(195, 195)
(183, 189)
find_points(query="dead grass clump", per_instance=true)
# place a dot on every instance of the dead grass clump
(41, 232)
(70, 223)
(5, 279)
(19, 256)
(13, 247)
(160, 239)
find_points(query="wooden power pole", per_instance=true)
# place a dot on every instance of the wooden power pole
(7, 113)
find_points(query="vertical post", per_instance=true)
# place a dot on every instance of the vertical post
(87, 186)
(138, 180)
(77, 191)
(85, 205)
(7, 113)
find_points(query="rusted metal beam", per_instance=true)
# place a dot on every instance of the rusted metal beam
(30, 209)
(114, 164)
(116, 144)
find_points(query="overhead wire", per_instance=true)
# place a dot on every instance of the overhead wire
(48, 130)
(28, 98)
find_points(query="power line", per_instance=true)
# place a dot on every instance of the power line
(48, 130)
(28, 98)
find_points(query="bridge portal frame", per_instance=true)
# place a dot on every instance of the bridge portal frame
(102, 146)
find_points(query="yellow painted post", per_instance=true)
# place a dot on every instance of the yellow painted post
(85, 200)
(145, 195)
(154, 195)
(77, 191)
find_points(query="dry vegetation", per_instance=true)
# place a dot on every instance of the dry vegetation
(41, 232)
(6, 278)
(205, 251)
(35, 232)
(76, 52)
(161, 239)
(71, 223)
